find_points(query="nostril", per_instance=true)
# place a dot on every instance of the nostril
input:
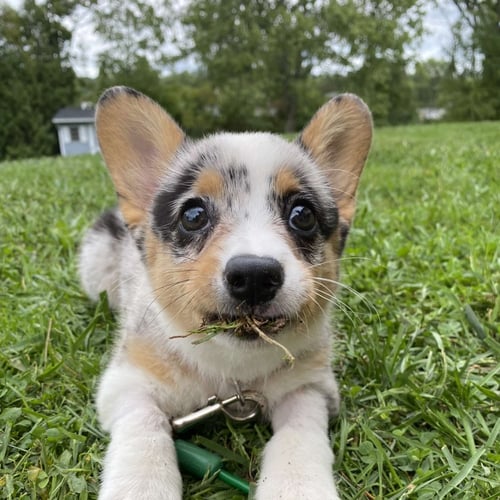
(236, 279)
(253, 279)
(274, 278)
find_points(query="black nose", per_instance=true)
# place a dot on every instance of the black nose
(253, 279)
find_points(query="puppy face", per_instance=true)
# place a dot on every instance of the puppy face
(236, 225)
(240, 227)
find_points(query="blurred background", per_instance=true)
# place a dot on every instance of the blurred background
(240, 65)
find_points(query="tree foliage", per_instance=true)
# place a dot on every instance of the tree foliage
(379, 34)
(473, 78)
(36, 76)
(243, 64)
(260, 55)
(132, 30)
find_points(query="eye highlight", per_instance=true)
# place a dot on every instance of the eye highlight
(302, 219)
(194, 217)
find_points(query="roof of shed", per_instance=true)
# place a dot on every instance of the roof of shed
(74, 115)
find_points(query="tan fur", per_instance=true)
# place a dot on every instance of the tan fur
(179, 285)
(132, 214)
(210, 183)
(339, 138)
(322, 291)
(140, 354)
(317, 359)
(286, 182)
(137, 139)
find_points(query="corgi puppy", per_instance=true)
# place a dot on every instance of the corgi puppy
(230, 228)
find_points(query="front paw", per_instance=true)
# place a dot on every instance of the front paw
(297, 465)
(140, 462)
(148, 478)
(298, 487)
(132, 490)
(151, 478)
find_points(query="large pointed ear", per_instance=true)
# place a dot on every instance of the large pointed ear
(137, 139)
(339, 137)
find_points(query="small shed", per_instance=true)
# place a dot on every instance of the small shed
(76, 131)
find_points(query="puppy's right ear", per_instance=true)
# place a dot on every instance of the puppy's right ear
(138, 140)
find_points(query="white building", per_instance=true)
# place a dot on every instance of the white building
(431, 114)
(76, 131)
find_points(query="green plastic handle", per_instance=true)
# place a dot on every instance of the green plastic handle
(198, 462)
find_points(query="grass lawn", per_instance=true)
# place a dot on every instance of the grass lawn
(417, 351)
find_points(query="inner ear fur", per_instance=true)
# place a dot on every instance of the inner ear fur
(138, 140)
(338, 137)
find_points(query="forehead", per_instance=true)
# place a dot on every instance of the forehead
(253, 162)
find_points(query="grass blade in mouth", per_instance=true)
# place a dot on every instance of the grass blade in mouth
(241, 327)
(289, 357)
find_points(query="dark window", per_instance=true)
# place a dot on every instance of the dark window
(74, 133)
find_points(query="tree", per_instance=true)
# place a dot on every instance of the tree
(259, 55)
(377, 34)
(428, 80)
(138, 74)
(133, 29)
(473, 77)
(36, 77)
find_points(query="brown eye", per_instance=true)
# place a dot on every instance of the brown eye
(194, 218)
(302, 219)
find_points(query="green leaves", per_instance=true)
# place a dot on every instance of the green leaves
(36, 78)
(259, 56)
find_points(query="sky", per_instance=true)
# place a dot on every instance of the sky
(437, 38)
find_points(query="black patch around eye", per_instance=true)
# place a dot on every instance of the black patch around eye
(319, 220)
(325, 210)
(185, 229)
(164, 217)
(165, 205)
(193, 226)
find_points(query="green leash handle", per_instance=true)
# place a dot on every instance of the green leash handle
(198, 462)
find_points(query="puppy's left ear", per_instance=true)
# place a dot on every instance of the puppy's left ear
(339, 137)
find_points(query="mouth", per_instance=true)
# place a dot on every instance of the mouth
(247, 327)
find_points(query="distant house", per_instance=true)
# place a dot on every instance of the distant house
(76, 131)
(431, 114)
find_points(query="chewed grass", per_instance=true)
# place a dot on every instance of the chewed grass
(246, 327)
(418, 367)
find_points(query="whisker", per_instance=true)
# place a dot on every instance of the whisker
(345, 308)
(158, 292)
(341, 259)
(346, 287)
(164, 307)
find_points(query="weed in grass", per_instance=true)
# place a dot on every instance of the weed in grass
(417, 350)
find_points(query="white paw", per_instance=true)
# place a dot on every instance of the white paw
(140, 462)
(299, 487)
